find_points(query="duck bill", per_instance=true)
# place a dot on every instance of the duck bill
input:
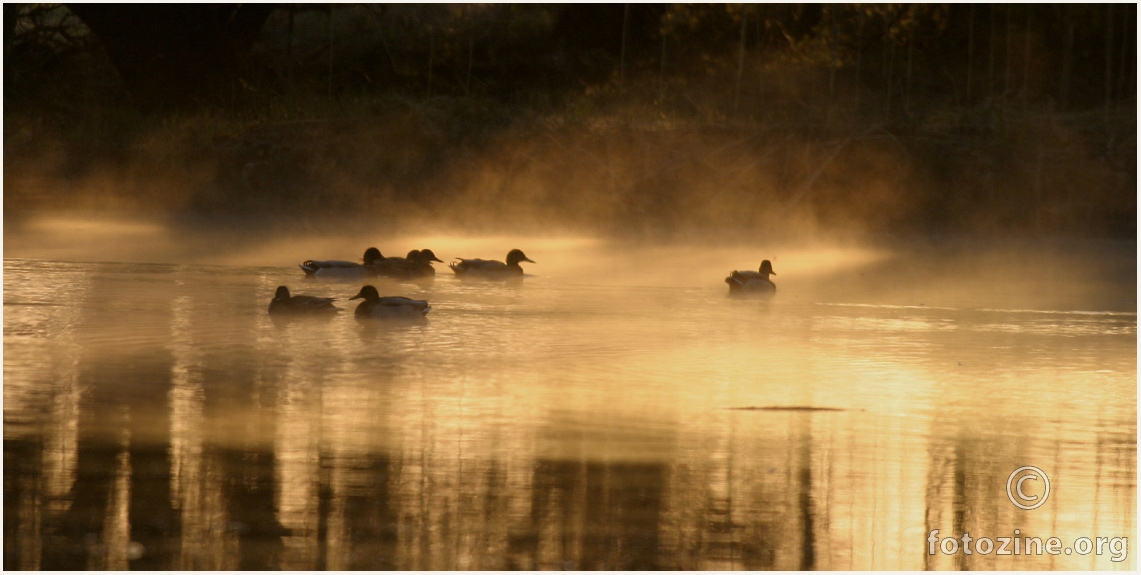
(359, 295)
(530, 260)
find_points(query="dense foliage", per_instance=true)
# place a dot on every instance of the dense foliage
(935, 116)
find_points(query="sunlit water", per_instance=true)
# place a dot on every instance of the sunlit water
(155, 417)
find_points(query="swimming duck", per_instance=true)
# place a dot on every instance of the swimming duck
(283, 303)
(343, 269)
(423, 264)
(490, 269)
(753, 281)
(391, 307)
(418, 264)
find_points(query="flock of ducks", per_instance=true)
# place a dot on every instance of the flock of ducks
(417, 265)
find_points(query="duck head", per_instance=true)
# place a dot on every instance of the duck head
(767, 268)
(371, 256)
(429, 256)
(516, 256)
(282, 294)
(369, 293)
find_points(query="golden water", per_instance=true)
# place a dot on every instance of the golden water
(616, 410)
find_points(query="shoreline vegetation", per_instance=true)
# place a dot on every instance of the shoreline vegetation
(793, 121)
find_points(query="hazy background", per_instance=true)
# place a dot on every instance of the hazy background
(643, 120)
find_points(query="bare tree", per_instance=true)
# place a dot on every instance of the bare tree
(1067, 55)
(741, 56)
(859, 54)
(1108, 60)
(1025, 92)
(990, 51)
(1009, 53)
(970, 49)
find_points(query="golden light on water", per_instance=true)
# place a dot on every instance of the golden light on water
(97, 238)
(617, 390)
(71, 238)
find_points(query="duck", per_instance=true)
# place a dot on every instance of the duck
(389, 307)
(491, 269)
(753, 281)
(418, 264)
(283, 303)
(343, 269)
(422, 265)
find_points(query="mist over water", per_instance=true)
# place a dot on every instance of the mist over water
(617, 409)
(1053, 273)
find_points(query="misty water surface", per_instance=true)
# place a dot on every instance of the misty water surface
(615, 410)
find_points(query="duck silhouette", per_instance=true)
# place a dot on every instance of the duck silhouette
(491, 269)
(749, 281)
(343, 269)
(389, 307)
(285, 304)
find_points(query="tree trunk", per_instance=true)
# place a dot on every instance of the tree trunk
(970, 49)
(889, 61)
(662, 72)
(470, 59)
(289, 50)
(990, 52)
(1009, 53)
(1131, 82)
(622, 57)
(907, 89)
(11, 14)
(1127, 22)
(740, 58)
(329, 23)
(1108, 60)
(1025, 95)
(832, 54)
(859, 57)
(1067, 57)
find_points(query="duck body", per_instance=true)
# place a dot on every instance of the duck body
(344, 269)
(417, 265)
(285, 304)
(748, 281)
(490, 269)
(389, 307)
(421, 266)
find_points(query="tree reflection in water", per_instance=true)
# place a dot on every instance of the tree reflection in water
(180, 437)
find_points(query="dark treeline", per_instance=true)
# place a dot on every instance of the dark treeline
(948, 115)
